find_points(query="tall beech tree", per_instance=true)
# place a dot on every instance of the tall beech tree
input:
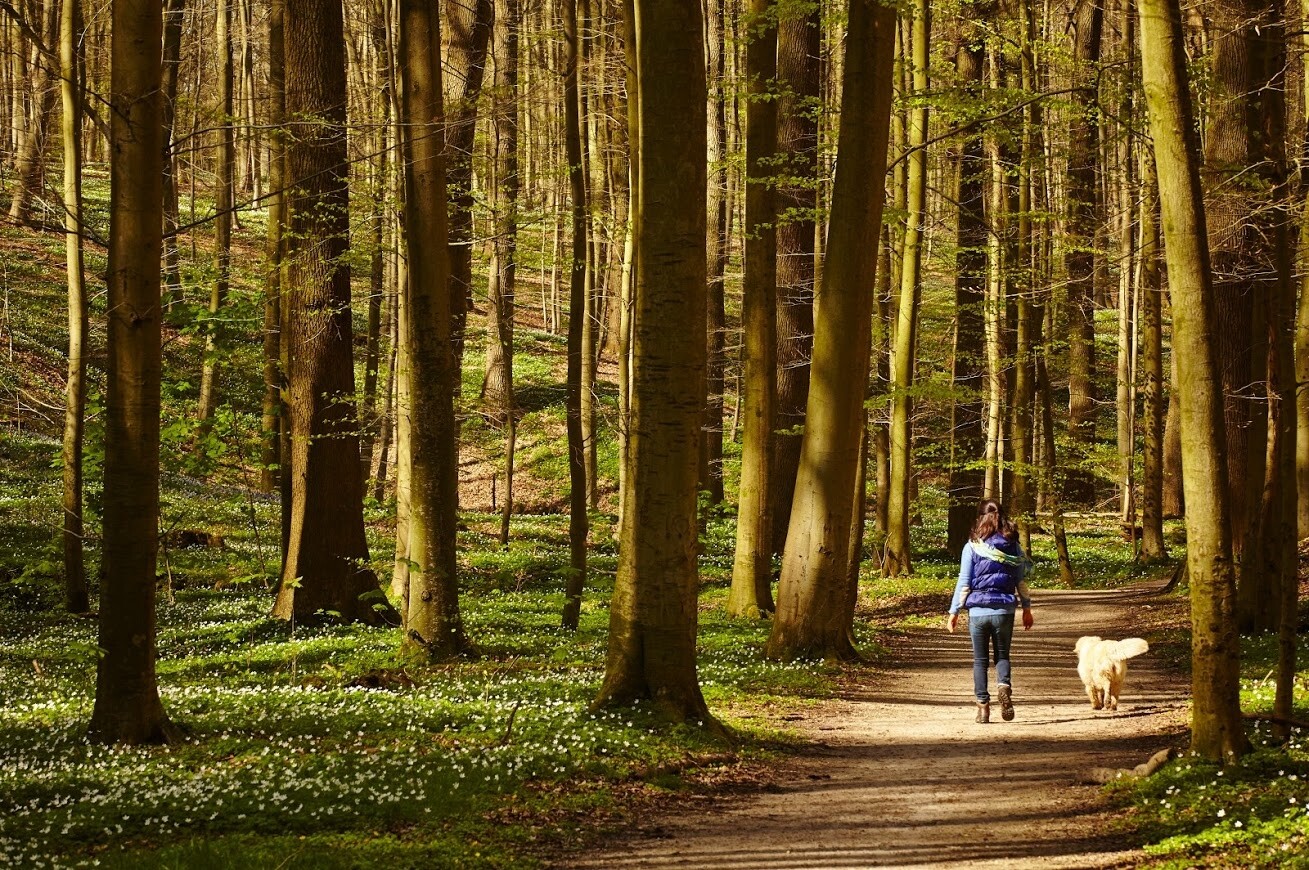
(799, 48)
(652, 625)
(325, 571)
(273, 420)
(76, 598)
(1083, 196)
(813, 597)
(1152, 474)
(32, 142)
(967, 440)
(224, 204)
(498, 386)
(432, 621)
(717, 204)
(752, 568)
(174, 20)
(1216, 729)
(127, 705)
(1260, 583)
(897, 558)
(1239, 244)
(465, 40)
(578, 521)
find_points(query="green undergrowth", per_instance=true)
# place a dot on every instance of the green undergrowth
(323, 747)
(1253, 813)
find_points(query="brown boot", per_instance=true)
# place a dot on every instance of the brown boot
(1006, 703)
(983, 713)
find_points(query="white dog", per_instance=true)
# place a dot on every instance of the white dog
(1102, 665)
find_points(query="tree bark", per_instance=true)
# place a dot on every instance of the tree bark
(799, 46)
(224, 200)
(578, 521)
(325, 571)
(813, 594)
(1262, 569)
(1216, 729)
(1152, 423)
(273, 417)
(967, 442)
(1080, 260)
(898, 559)
(433, 625)
(29, 162)
(752, 570)
(174, 19)
(711, 452)
(652, 625)
(76, 598)
(466, 35)
(127, 705)
(1240, 254)
(498, 388)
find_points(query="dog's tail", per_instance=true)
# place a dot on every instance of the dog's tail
(1128, 648)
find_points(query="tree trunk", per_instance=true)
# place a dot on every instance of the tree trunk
(1302, 320)
(752, 570)
(29, 162)
(1174, 502)
(1125, 372)
(1262, 572)
(497, 384)
(578, 521)
(1216, 728)
(881, 374)
(1027, 309)
(325, 569)
(1240, 254)
(273, 418)
(224, 200)
(799, 45)
(813, 597)
(498, 388)
(466, 35)
(174, 18)
(1152, 477)
(711, 453)
(898, 559)
(433, 625)
(967, 445)
(75, 591)
(1054, 498)
(652, 625)
(1083, 194)
(127, 705)
(379, 218)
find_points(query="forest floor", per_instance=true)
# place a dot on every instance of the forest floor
(899, 774)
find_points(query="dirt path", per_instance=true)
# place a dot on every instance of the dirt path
(902, 776)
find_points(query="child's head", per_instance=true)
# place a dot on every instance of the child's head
(991, 519)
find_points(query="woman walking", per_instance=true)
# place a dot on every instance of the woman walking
(990, 587)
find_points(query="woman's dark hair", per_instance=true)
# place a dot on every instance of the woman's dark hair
(991, 519)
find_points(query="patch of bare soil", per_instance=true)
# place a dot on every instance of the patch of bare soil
(899, 774)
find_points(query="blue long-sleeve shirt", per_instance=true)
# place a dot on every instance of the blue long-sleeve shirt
(966, 579)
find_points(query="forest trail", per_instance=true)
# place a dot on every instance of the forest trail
(901, 775)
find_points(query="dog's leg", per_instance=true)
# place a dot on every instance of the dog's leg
(1097, 700)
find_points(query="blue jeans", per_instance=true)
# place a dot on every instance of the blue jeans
(996, 631)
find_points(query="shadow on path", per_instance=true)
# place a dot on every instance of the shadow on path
(901, 775)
